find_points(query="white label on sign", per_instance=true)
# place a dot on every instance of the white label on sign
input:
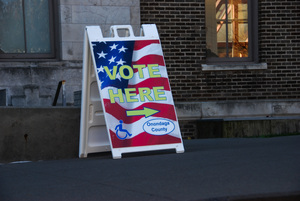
(158, 126)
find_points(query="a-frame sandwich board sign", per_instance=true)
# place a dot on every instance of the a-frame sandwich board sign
(136, 110)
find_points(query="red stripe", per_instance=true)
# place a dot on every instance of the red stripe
(143, 43)
(143, 139)
(166, 111)
(149, 59)
(152, 82)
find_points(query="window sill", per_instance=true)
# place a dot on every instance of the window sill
(225, 67)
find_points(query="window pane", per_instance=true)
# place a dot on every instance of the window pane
(220, 9)
(211, 33)
(221, 39)
(37, 26)
(243, 11)
(12, 27)
(238, 15)
(227, 28)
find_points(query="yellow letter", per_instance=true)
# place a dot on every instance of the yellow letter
(140, 70)
(121, 71)
(157, 93)
(153, 70)
(128, 95)
(111, 76)
(145, 92)
(112, 96)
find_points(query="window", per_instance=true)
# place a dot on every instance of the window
(231, 31)
(27, 30)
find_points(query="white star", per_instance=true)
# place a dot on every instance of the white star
(122, 49)
(113, 47)
(102, 42)
(102, 54)
(101, 69)
(112, 59)
(121, 62)
(118, 76)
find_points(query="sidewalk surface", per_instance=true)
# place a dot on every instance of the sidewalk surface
(210, 169)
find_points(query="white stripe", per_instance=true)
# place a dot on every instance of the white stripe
(136, 128)
(136, 78)
(152, 49)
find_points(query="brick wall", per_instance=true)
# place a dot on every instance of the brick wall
(181, 25)
(279, 28)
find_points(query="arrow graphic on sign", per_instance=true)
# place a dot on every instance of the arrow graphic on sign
(146, 111)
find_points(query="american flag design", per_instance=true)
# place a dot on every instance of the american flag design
(136, 94)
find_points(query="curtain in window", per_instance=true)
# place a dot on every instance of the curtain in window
(24, 26)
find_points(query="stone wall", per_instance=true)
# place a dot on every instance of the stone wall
(247, 127)
(75, 15)
(30, 134)
(39, 133)
(33, 83)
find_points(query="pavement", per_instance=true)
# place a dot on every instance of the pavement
(210, 169)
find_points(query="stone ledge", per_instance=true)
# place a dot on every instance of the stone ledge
(230, 67)
(237, 109)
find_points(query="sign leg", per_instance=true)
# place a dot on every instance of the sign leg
(116, 154)
(180, 149)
